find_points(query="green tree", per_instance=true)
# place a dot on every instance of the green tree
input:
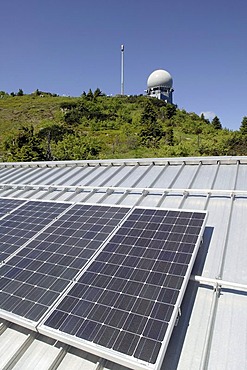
(25, 146)
(170, 136)
(3, 93)
(216, 123)
(97, 93)
(170, 110)
(20, 92)
(52, 133)
(76, 148)
(90, 95)
(151, 131)
(37, 92)
(243, 127)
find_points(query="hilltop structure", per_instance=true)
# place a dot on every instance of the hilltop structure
(159, 85)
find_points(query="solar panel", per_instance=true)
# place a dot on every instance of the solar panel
(124, 306)
(21, 225)
(8, 205)
(33, 279)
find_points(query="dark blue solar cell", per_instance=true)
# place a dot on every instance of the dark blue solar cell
(135, 323)
(126, 343)
(174, 282)
(68, 303)
(108, 298)
(71, 321)
(147, 350)
(88, 330)
(166, 256)
(155, 329)
(57, 319)
(107, 336)
(183, 258)
(82, 308)
(151, 253)
(125, 301)
(178, 269)
(168, 296)
(93, 293)
(142, 307)
(116, 318)
(139, 275)
(131, 287)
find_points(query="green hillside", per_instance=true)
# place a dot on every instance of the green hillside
(42, 126)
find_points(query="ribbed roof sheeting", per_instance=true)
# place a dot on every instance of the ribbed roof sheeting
(211, 332)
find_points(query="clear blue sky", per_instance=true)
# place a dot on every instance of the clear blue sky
(66, 47)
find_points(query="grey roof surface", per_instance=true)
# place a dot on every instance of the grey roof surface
(211, 332)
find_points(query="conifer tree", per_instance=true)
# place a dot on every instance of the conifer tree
(151, 131)
(243, 127)
(216, 123)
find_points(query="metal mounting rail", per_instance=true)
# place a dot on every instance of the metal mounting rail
(219, 282)
(228, 192)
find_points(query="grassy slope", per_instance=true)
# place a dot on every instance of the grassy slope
(190, 131)
(26, 110)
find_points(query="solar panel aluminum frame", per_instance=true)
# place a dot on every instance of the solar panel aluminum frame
(113, 355)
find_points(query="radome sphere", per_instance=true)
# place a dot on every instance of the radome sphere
(159, 77)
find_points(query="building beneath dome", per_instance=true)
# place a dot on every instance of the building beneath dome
(159, 85)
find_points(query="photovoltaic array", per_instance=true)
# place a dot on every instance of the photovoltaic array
(110, 277)
(34, 277)
(125, 300)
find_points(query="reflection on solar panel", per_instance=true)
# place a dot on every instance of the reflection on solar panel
(33, 279)
(21, 225)
(7, 205)
(125, 304)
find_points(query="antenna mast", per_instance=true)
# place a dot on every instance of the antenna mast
(122, 69)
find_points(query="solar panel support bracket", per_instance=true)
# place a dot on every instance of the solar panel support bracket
(217, 286)
(178, 316)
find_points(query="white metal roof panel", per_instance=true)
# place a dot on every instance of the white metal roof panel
(172, 200)
(226, 177)
(218, 215)
(241, 178)
(229, 340)
(205, 176)
(75, 361)
(236, 254)
(185, 177)
(39, 355)
(11, 341)
(168, 176)
(188, 342)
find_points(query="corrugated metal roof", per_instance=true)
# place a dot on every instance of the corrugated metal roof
(211, 332)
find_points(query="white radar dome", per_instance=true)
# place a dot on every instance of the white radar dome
(160, 77)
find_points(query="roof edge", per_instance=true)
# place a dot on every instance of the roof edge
(131, 162)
